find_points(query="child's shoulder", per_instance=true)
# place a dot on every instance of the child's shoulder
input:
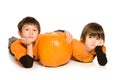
(76, 41)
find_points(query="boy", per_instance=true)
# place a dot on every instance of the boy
(24, 49)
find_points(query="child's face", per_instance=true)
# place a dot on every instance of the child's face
(91, 42)
(29, 32)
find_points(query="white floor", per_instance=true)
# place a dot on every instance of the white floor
(10, 69)
(71, 15)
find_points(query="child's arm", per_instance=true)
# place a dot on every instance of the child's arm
(101, 56)
(27, 60)
(68, 35)
(59, 31)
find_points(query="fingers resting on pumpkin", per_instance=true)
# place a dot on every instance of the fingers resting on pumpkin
(68, 36)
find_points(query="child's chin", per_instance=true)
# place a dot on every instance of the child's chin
(92, 48)
(31, 41)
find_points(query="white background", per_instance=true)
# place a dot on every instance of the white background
(71, 15)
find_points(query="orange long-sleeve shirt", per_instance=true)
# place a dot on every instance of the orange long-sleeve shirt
(19, 50)
(80, 54)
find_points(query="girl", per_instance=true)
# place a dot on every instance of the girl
(91, 44)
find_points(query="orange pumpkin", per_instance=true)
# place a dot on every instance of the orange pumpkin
(53, 49)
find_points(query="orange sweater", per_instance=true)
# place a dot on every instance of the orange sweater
(19, 50)
(79, 53)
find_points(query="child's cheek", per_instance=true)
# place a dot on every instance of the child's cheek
(97, 43)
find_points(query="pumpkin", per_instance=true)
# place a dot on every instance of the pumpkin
(53, 49)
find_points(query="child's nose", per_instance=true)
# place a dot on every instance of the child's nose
(94, 40)
(31, 32)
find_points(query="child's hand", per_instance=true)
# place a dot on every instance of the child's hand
(25, 41)
(69, 36)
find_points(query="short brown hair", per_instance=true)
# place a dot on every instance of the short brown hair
(93, 29)
(28, 20)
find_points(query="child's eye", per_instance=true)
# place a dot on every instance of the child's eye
(90, 36)
(35, 30)
(98, 38)
(26, 29)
